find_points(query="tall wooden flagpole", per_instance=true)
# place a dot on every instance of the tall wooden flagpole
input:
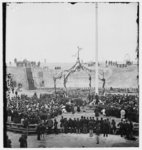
(96, 55)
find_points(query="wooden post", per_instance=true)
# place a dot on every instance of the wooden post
(96, 56)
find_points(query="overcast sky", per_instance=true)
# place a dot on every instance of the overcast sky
(52, 31)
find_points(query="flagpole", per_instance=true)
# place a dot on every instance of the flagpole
(96, 52)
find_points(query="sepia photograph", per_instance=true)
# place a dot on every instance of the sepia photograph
(71, 74)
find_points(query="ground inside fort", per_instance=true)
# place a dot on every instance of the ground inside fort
(74, 140)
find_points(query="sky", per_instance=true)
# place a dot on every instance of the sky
(52, 31)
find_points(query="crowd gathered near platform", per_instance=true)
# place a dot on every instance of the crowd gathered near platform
(83, 125)
(43, 110)
(47, 106)
(87, 125)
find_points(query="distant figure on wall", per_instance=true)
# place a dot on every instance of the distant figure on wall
(97, 99)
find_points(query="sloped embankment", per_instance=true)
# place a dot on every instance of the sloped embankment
(19, 75)
(115, 77)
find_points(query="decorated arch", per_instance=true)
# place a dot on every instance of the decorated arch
(76, 67)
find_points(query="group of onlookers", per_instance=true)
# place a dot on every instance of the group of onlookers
(83, 125)
(115, 63)
(114, 103)
(42, 110)
(33, 109)
(86, 125)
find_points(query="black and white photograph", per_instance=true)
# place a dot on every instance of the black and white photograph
(70, 74)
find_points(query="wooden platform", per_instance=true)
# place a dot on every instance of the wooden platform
(19, 128)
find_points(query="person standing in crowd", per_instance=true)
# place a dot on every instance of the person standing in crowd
(87, 124)
(97, 132)
(91, 125)
(23, 141)
(74, 125)
(121, 127)
(113, 126)
(62, 125)
(84, 125)
(43, 130)
(38, 131)
(72, 109)
(108, 126)
(65, 125)
(105, 128)
(125, 128)
(25, 136)
(101, 125)
(78, 126)
(55, 126)
(96, 122)
(70, 125)
(78, 108)
(8, 142)
(81, 124)
(50, 125)
(130, 129)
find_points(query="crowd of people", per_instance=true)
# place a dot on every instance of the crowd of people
(26, 63)
(115, 63)
(80, 125)
(83, 125)
(114, 103)
(35, 108)
(22, 108)
(43, 109)
(32, 108)
(121, 90)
